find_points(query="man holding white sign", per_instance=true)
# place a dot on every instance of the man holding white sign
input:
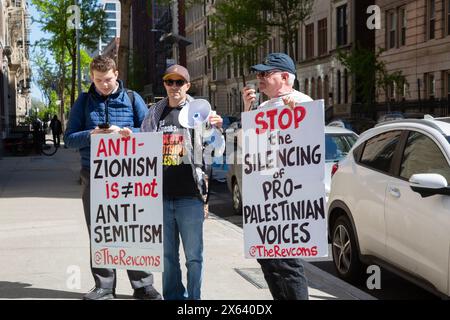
(284, 216)
(106, 109)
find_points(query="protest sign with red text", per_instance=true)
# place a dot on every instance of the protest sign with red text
(283, 191)
(126, 202)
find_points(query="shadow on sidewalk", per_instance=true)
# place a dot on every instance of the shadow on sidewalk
(19, 290)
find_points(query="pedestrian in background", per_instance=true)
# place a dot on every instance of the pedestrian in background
(56, 127)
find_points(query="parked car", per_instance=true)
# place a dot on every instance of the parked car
(390, 204)
(338, 142)
(390, 116)
(227, 121)
(357, 125)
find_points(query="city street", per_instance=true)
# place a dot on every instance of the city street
(45, 245)
(392, 286)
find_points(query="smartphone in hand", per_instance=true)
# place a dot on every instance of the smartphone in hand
(104, 125)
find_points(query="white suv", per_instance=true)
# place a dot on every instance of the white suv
(390, 203)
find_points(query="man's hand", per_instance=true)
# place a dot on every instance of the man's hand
(124, 132)
(248, 96)
(289, 101)
(216, 120)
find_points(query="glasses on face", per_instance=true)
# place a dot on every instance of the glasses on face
(265, 74)
(178, 83)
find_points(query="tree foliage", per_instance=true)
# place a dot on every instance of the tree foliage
(243, 26)
(53, 16)
(370, 72)
(287, 15)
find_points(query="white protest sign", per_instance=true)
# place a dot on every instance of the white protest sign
(126, 202)
(283, 190)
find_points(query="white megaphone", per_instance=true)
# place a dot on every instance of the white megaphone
(194, 113)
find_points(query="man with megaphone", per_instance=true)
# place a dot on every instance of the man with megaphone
(185, 188)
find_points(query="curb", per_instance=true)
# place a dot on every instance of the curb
(327, 278)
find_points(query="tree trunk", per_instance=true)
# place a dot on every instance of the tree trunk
(124, 49)
(62, 87)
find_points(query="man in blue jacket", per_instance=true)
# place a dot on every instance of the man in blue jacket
(105, 109)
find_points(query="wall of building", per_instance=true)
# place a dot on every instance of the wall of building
(420, 58)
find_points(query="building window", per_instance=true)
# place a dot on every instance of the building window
(228, 67)
(430, 85)
(431, 8)
(448, 85)
(322, 37)
(345, 86)
(214, 68)
(448, 17)
(326, 89)
(306, 89)
(319, 88)
(341, 19)
(403, 21)
(313, 89)
(110, 6)
(296, 45)
(392, 29)
(110, 15)
(235, 66)
(338, 76)
(309, 34)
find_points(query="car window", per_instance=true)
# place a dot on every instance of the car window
(422, 155)
(379, 150)
(338, 146)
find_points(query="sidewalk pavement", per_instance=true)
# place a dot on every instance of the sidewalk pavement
(44, 246)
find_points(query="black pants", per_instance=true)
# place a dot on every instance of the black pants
(286, 278)
(56, 139)
(106, 278)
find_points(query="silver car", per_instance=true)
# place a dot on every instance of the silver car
(338, 142)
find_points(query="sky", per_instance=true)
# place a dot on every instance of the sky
(36, 34)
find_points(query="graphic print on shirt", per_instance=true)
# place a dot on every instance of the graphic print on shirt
(173, 144)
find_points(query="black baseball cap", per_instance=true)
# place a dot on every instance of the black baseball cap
(276, 61)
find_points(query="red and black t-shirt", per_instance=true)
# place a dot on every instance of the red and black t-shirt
(178, 180)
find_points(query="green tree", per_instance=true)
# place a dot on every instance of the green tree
(243, 26)
(288, 16)
(238, 30)
(44, 73)
(53, 17)
(369, 73)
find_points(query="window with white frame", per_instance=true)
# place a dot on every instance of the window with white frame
(392, 29)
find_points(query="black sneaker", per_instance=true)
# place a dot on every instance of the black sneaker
(100, 294)
(147, 293)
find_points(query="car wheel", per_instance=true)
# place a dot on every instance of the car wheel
(237, 199)
(345, 253)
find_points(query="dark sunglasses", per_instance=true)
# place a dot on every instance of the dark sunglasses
(178, 83)
(265, 74)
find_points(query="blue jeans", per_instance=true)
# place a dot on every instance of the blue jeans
(183, 217)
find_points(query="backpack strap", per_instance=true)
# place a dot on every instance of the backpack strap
(130, 94)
